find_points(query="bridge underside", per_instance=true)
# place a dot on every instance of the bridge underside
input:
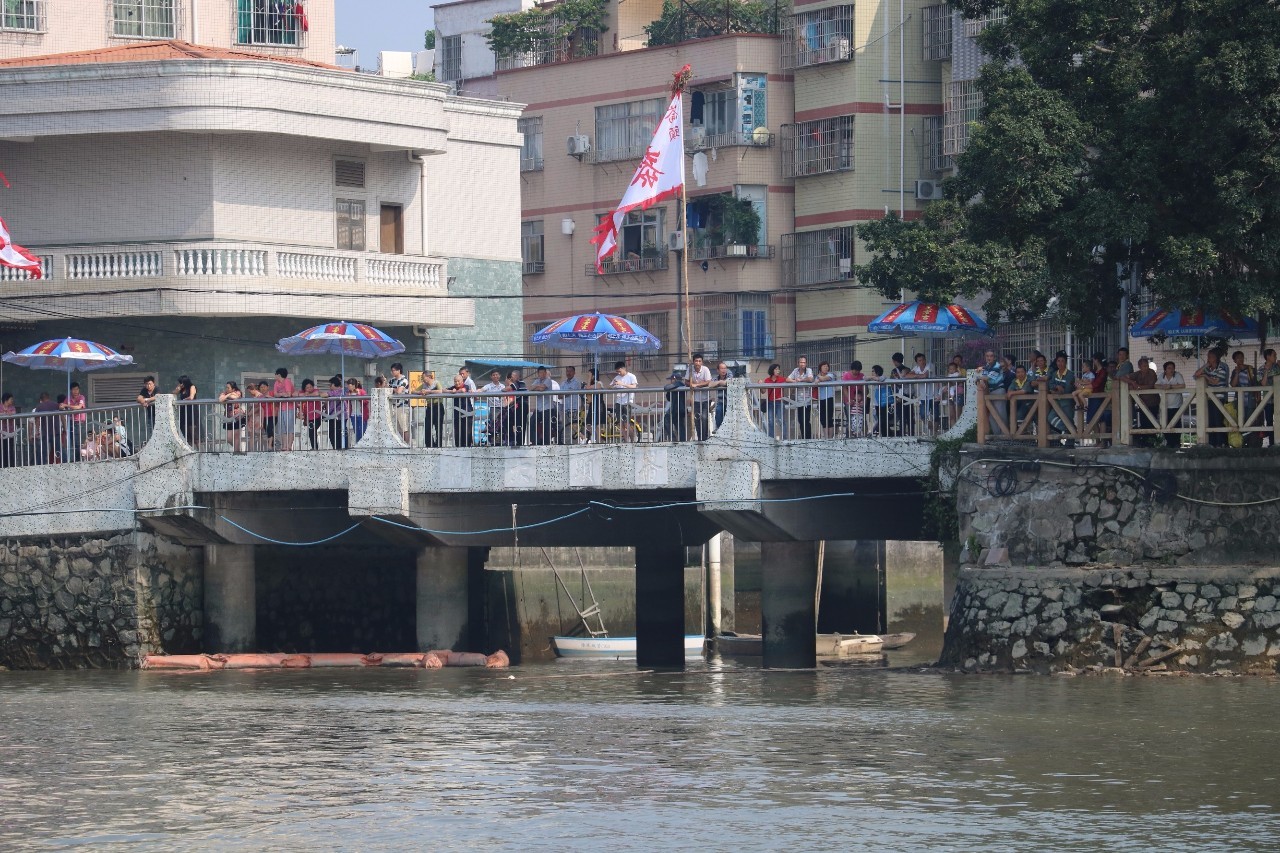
(813, 510)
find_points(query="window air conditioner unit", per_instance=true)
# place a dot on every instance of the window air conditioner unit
(837, 49)
(709, 349)
(846, 266)
(928, 190)
(675, 241)
(697, 136)
(578, 145)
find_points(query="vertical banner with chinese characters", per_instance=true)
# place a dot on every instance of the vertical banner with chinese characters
(659, 176)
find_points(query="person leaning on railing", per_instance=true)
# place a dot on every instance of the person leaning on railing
(433, 430)
(1167, 382)
(855, 400)
(1267, 374)
(1216, 379)
(1060, 382)
(8, 431)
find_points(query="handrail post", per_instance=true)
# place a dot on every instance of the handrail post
(981, 388)
(1202, 413)
(1275, 422)
(1122, 432)
(1042, 415)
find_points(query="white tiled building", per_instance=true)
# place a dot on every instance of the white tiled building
(193, 203)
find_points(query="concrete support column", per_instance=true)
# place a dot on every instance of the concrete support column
(728, 584)
(443, 599)
(789, 578)
(660, 605)
(230, 600)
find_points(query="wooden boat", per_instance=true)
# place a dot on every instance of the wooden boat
(614, 648)
(827, 645)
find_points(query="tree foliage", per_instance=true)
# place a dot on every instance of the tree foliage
(1138, 133)
(696, 19)
(429, 40)
(523, 32)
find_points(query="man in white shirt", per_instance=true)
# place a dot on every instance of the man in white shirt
(802, 399)
(571, 404)
(700, 382)
(463, 411)
(622, 402)
(499, 408)
(544, 408)
(399, 386)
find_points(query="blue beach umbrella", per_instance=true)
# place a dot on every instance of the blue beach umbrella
(596, 333)
(67, 355)
(917, 318)
(1194, 324)
(343, 339)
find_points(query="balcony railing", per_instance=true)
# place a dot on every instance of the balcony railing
(733, 251)
(533, 267)
(215, 260)
(698, 140)
(629, 265)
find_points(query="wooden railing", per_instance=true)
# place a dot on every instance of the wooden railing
(1200, 413)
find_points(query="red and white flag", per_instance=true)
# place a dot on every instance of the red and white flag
(659, 176)
(13, 255)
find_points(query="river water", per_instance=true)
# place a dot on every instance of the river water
(597, 756)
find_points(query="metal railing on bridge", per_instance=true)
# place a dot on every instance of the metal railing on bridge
(74, 435)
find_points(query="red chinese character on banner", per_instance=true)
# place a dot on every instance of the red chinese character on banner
(674, 132)
(648, 172)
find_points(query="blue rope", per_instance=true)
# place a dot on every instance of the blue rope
(482, 532)
(294, 544)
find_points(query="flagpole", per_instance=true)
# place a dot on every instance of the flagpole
(682, 78)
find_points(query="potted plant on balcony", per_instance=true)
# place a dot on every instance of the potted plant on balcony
(741, 224)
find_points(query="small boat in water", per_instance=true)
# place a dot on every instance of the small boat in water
(614, 648)
(826, 645)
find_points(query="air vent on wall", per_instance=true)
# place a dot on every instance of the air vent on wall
(349, 173)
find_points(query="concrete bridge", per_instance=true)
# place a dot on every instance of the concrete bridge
(450, 503)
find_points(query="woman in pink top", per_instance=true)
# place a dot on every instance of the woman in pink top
(359, 408)
(855, 398)
(776, 419)
(75, 428)
(283, 388)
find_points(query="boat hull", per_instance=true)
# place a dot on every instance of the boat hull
(825, 645)
(614, 648)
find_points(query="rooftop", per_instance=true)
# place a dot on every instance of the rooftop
(153, 51)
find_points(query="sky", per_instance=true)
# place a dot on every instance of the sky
(373, 25)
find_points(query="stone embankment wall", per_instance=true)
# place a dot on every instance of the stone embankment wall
(97, 601)
(1128, 506)
(1183, 618)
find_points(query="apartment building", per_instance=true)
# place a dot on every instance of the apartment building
(831, 115)
(193, 203)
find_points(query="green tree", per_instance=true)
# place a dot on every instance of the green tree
(1139, 133)
(429, 40)
(681, 20)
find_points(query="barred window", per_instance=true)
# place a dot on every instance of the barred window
(964, 106)
(737, 326)
(817, 257)
(270, 22)
(450, 59)
(814, 147)
(149, 19)
(656, 325)
(350, 220)
(816, 38)
(22, 15)
(937, 32)
(931, 157)
(973, 28)
(531, 247)
(531, 148)
(623, 130)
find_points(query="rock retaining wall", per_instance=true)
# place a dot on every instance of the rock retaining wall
(1023, 507)
(1183, 618)
(97, 602)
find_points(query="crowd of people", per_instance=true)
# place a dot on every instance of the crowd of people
(62, 433)
(1161, 394)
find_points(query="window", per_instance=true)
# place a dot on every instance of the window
(814, 147)
(963, 107)
(740, 326)
(656, 325)
(350, 224)
(270, 22)
(348, 173)
(816, 38)
(730, 113)
(531, 148)
(22, 15)
(816, 257)
(531, 247)
(623, 130)
(974, 28)
(450, 59)
(642, 244)
(931, 157)
(148, 19)
(937, 32)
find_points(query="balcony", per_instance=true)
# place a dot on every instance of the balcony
(629, 265)
(697, 139)
(217, 278)
(818, 38)
(733, 252)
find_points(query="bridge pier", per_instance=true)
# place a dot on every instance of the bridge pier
(788, 609)
(444, 610)
(660, 605)
(230, 600)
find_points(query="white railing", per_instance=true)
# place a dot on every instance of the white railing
(404, 272)
(244, 262)
(315, 267)
(115, 265)
(11, 274)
